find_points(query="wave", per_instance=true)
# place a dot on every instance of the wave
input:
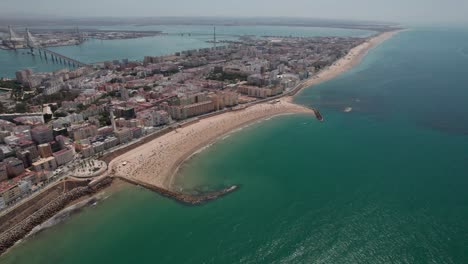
(66, 213)
(200, 150)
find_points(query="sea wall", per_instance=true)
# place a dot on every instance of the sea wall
(65, 214)
(22, 228)
(35, 202)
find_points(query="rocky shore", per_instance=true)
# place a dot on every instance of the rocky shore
(23, 228)
(20, 230)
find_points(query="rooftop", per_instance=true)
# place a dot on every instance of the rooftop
(43, 161)
(5, 185)
(62, 151)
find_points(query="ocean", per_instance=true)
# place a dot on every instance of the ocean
(384, 183)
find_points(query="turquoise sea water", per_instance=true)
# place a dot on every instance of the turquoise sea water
(385, 183)
(135, 49)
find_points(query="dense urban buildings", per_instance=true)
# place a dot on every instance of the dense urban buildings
(84, 112)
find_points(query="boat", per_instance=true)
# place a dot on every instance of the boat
(348, 109)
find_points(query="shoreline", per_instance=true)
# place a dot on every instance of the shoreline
(171, 178)
(158, 165)
(349, 61)
(64, 197)
(158, 162)
(155, 164)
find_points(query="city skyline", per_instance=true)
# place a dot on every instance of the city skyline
(416, 11)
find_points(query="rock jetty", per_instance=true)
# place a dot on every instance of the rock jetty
(187, 199)
(20, 230)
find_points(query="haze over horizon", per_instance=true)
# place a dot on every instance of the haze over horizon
(400, 11)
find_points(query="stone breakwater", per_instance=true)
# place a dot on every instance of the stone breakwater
(183, 198)
(20, 230)
(64, 214)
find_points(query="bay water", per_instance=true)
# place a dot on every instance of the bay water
(95, 50)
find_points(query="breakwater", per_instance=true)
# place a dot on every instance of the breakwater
(187, 199)
(30, 205)
(65, 214)
(317, 114)
(21, 229)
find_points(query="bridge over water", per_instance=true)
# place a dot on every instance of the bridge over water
(32, 44)
(59, 58)
(56, 57)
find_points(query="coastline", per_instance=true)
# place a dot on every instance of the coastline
(171, 178)
(157, 162)
(68, 194)
(154, 164)
(346, 63)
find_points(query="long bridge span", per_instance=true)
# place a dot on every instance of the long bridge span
(56, 57)
(32, 44)
(59, 58)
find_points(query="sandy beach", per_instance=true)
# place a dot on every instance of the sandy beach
(351, 59)
(157, 161)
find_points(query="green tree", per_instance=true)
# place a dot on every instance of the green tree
(53, 107)
(104, 119)
(60, 114)
(47, 117)
(21, 107)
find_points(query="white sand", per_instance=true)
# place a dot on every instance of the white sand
(351, 59)
(156, 162)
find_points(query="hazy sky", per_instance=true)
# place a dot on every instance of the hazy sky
(388, 10)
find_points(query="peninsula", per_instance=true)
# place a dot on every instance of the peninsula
(139, 121)
(156, 162)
